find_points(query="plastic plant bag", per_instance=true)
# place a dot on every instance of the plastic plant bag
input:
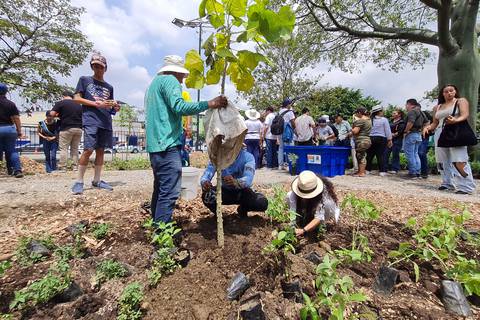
(385, 280)
(454, 299)
(238, 286)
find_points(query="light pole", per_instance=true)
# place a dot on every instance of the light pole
(196, 23)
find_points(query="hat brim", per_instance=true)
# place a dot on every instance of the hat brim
(98, 62)
(254, 116)
(171, 68)
(308, 195)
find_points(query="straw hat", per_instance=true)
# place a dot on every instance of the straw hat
(376, 109)
(173, 63)
(252, 114)
(307, 185)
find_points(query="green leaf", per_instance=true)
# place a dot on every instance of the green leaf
(213, 77)
(225, 53)
(358, 297)
(236, 8)
(416, 269)
(249, 59)
(193, 62)
(201, 9)
(195, 80)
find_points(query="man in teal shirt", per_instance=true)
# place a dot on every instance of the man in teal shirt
(165, 107)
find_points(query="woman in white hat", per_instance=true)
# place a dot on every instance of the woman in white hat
(254, 135)
(381, 138)
(314, 200)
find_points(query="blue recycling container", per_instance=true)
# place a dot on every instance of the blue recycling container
(328, 161)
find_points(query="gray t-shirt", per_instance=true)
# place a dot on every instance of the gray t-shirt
(416, 117)
(94, 90)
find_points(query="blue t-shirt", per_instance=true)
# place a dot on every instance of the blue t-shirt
(94, 90)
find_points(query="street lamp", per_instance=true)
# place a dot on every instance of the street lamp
(195, 23)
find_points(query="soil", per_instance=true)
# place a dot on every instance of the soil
(199, 290)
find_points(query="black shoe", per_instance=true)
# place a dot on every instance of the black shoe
(442, 188)
(461, 192)
(424, 176)
(18, 174)
(242, 212)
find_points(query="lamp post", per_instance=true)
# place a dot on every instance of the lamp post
(196, 23)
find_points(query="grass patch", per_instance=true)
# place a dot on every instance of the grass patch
(130, 164)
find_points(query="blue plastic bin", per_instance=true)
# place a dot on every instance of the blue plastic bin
(328, 161)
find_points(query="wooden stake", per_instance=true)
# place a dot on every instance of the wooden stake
(220, 237)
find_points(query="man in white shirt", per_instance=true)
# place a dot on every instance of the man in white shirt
(289, 118)
(304, 128)
(270, 139)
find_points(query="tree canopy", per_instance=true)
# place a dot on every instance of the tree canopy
(39, 41)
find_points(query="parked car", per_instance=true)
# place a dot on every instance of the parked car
(122, 147)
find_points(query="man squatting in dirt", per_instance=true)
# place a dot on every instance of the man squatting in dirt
(236, 187)
(165, 107)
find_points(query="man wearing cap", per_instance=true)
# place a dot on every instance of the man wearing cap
(165, 107)
(254, 134)
(288, 115)
(413, 137)
(10, 130)
(70, 114)
(96, 97)
(236, 186)
(47, 131)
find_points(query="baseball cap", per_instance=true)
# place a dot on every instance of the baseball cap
(97, 58)
(3, 88)
(286, 102)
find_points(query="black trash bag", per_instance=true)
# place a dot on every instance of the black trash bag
(182, 256)
(238, 286)
(71, 293)
(454, 299)
(252, 309)
(292, 290)
(38, 248)
(313, 257)
(77, 228)
(385, 281)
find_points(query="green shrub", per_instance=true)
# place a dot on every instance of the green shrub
(100, 230)
(138, 163)
(129, 302)
(278, 209)
(109, 269)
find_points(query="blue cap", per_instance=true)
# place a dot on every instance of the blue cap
(3, 88)
(286, 102)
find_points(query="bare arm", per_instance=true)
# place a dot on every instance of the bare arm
(41, 135)
(94, 104)
(312, 225)
(16, 120)
(463, 114)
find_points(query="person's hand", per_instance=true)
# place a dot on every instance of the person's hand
(116, 107)
(451, 120)
(425, 131)
(20, 135)
(207, 185)
(218, 102)
(389, 143)
(229, 180)
(299, 232)
(51, 138)
(102, 104)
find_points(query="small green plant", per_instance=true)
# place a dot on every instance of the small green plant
(4, 266)
(467, 272)
(6, 316)
(109, 269)
(334, 294)
(278, 209)
(100, 230)
(164, 233)
(361, 211)
(284, 240)
(25, 256)
(129, 302)
(163, 264)
(137, 163)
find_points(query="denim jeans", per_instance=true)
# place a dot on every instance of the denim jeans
(271, 153)
(8, 137)
(411, 143)
(253, 146)
(422, 153)
(281, 153)
(50, 150)
(247, 199)
(167, 182)
(394, 152)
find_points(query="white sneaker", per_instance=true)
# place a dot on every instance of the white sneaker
(382, 174)
(392, 172)
(368, 172)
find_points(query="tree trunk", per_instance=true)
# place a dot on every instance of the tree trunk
(463, 70)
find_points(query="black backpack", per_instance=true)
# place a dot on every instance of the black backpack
(278, 123)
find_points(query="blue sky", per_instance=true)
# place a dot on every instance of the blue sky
(135, 35)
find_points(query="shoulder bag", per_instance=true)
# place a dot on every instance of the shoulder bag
(456, 135)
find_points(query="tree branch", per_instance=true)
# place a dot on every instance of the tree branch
(435, 4)
(447, 43)
(470, 30)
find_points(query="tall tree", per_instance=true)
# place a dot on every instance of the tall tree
(395, 33)
(39, 41)
(287, 73)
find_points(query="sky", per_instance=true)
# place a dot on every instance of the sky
(135, 36)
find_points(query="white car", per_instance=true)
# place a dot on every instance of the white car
(124, 148)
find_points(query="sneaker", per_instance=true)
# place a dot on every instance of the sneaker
(18, 174)
(424, 176)
(368, 172)
(411, 176)
(442, 188)
(382, 174)
(392, 172)
(77, 188)
(461, 192)
(102, 185)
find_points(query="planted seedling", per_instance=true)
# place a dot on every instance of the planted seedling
(278, 209)
(109, 269)
(27, 255)
(163, 264)
(334, 294)
(100, 230)
(129, 302)
(4, 266)
(284, 240)
(164, 233)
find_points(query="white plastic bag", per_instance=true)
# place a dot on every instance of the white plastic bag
(225, 131)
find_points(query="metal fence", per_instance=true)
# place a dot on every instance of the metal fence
(123, 141)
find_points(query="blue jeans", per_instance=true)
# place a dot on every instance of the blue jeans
(253, 146)
(167, 182)
(8, 137)
(50, 150)
(422, 153)
(394, 152)
(271, 153)
(411, 143)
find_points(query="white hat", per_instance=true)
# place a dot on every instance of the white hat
(376, 109)
(252, 114)
(173, 63)
(307, 185)
(326, 117)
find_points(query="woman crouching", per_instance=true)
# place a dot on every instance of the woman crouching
(314, 200)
